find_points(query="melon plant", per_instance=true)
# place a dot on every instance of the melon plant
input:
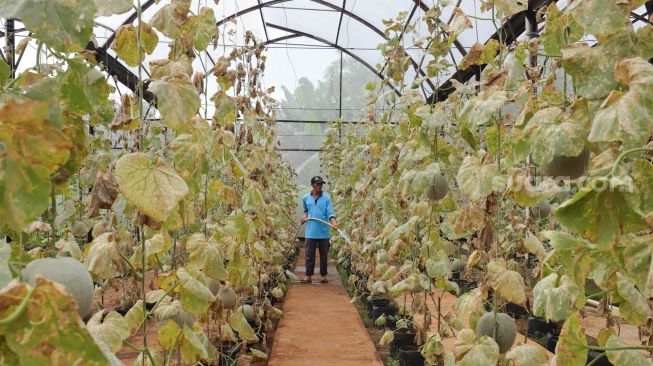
(70, 273)
(499, 326)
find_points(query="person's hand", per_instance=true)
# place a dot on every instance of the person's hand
(334, 224)
(302, 221)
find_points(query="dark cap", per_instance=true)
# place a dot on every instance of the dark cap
(317, 179)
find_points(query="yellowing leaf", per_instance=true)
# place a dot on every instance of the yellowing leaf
(554, 35)
(635, 309)
(477, 180)
(155, 190)
(527, 355)
(103, 258)
(510, 286)
(207, 256)
(568, 351)
(177, 100)
(201, 28)
(126, 43)
(48, 328)
(33, 151)
(624, 357)
(194, 296)
(601, 17)
(626, 117)
(68, 245)
(471, 352)
(480, 109)
(238, 322)
(555, 298)
(602, 210)
(111, 328)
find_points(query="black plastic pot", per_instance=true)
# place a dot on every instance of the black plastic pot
(410, 356)
(376, 301)
(592, 354)
(402, 339)
(390, 321)
(551, 343)
(465, 286)
(539, 327)
(377, 311)
(516, 311)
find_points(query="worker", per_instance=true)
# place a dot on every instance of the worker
(317, 205)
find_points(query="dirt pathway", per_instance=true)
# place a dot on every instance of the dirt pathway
(320, 326)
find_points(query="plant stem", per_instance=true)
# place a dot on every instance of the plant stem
(53, 216)
(623, 155)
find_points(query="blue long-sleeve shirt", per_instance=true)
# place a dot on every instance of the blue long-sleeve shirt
(320, 208)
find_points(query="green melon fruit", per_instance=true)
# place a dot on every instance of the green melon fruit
(568, 167)
(228, 297)
(213, 285)
(248, 312)
(69, 272)
(438, 188)
(542, 210)
(457, 265)
(183, 318)
(506, 329)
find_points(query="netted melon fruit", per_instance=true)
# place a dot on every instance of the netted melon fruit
(213, 285)
(228, 297)
(506, 330)
(438, 188)
(183, 318)
(248, 312)
(69, 272)
(568, 167)
(457, 265)
(542, 210)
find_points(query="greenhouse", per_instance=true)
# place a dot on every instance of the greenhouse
(326, 182)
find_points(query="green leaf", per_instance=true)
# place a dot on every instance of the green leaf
(558, 26)
(49, 328)
(5, 256)
(84, 87)
(177, 100)
(527, 355)
(480, 109)
(551, 132)
(5, 71)
(471, 352)
(65, 25)
(206, 255)
(555, 297)
(602, 210)
(642, 174)
(155, 190)
(626, 116)
(568, 351)
(106, 8)
(194, 296)
(112, 329)
(126, 43)
(201, 28)
(638, 307)
(33, 151)
(637, 257)
(103, 258)
(477, 180)
(238, 322)
(601, 17)
(438, 269)
(624, 357)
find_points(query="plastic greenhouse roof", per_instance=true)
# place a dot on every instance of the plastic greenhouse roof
(353, 27)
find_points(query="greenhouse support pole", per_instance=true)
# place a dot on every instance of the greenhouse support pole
(340, 103)
(531, 32)
(11, 43)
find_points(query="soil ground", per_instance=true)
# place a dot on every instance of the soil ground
(320, 326)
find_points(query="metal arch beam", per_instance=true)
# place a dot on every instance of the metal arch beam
(331, 6)
(330, 44)
(508, 33)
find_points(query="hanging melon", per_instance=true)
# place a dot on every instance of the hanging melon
(506, 330)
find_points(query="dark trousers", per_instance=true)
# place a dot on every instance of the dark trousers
(309, 250)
